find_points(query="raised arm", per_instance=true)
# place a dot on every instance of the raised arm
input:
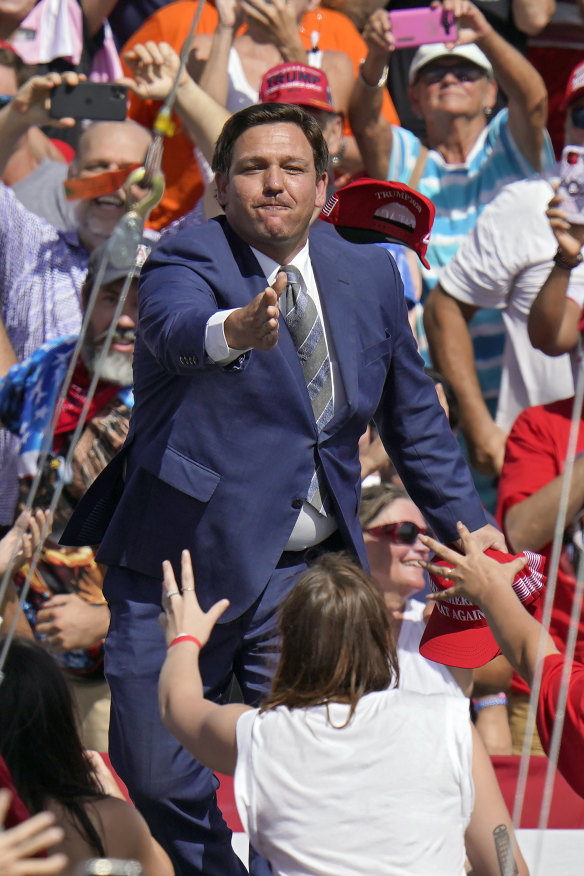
(154, 67)
(29, 107)
(530, 524)
(370, 129)
(554, 317)
(209, 55)
(522, 84)
(487, 583)
(204, 728)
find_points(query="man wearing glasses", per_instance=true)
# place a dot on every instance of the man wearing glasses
(503, 264)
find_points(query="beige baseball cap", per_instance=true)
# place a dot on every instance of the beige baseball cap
(431, 52)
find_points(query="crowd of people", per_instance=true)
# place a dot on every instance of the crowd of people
(230, 440)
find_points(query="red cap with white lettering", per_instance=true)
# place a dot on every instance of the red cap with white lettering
(457, 633)
(372, 211)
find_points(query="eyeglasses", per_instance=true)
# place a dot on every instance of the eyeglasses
(463, 72)
(577, 116)
(405, 532)
(5, 99)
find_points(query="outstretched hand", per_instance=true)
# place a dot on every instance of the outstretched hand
(377, 33)
(256, 325)
(570, 237)
(33, 98)
(22, 540)
(470, 21)
(474, 574)
(182, 612)
(19, 844)
(279, 19)
(154, 67)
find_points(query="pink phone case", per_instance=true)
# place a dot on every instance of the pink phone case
(415, 27)
(571, 187)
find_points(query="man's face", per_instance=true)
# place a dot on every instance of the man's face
(106, 146)
(574, 135)
(117, 367)
(453, 86)
(272, 189)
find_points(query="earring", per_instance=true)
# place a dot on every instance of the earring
(488, 111)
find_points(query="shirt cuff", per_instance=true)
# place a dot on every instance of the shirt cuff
(216, 346)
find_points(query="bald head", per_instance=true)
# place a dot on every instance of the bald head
(105, 147)
(105, 144)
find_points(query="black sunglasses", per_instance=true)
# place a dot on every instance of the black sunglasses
(405, 532)
(463, 72)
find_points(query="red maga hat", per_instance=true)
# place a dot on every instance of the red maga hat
(371, 211)
(575, 86)
(299, 84)
(457, 632)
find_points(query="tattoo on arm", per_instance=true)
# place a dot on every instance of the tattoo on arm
(504, 849)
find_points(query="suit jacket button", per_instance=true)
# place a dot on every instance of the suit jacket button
(297, 504)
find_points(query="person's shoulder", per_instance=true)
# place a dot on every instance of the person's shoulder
(524, 192)
(192, 239)
(325, 239)
(121, 825)
(542, 424)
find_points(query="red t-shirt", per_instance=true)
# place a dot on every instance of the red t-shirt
(534, 456)
(571, 755)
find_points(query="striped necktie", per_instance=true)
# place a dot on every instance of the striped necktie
(306, 330)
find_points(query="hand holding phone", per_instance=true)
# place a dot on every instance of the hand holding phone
(416, 27)
(104, 101)
(571, 187)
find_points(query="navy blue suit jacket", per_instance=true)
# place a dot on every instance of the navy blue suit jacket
(218, 458)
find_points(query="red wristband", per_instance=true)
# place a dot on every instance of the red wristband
(185, 637)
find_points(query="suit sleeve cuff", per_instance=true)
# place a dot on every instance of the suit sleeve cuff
(216, 346)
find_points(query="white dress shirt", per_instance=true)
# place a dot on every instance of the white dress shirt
(311, 527)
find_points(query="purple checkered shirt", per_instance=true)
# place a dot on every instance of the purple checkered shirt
(41, 273)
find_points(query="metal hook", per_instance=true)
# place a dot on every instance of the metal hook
(152, 197)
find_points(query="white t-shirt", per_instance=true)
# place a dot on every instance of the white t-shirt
(502, 264)
(390, 794)
(416, 673)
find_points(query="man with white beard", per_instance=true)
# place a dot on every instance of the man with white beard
(65, 606)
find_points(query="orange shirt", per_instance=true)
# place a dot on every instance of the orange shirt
(171, 24)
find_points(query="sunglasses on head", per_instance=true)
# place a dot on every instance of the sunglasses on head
(405, 532)
(463, 72)
(577, 116)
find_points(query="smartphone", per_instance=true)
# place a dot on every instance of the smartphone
(416, 27)
(105, 101)
(571, 188)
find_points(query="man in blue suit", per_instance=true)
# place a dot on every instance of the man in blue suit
(252, 387)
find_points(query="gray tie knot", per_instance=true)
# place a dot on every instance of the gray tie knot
(294, 278)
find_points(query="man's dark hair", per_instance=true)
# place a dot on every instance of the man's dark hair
(269, 114)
